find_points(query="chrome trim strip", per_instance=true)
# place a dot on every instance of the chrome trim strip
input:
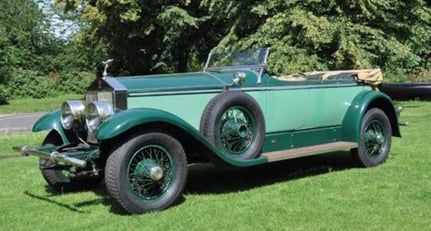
(166, 93)
(308, 151)
(312, 86)
(115, 84)
(244, 89)
(287, 132)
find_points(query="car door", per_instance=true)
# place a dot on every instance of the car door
(295, 107)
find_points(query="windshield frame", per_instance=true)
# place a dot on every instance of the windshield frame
(252, 59)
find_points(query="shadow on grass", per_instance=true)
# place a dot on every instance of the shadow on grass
(207, 179)
(99, 190)
(11, 157)
(102, 198)
(51, 201)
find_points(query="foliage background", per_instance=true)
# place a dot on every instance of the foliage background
(304, 35)
(34, 63)
(146, 36)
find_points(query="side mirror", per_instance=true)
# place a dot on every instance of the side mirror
(239, 78)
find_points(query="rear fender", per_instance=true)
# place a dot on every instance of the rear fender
(360, 105)
(126, 120)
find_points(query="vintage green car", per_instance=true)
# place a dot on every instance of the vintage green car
(139, 133)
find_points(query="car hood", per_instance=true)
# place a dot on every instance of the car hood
(174, 82)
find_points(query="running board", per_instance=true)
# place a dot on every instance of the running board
(308, 151)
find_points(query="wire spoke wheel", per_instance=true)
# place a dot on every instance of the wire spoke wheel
(60, 178)
(374, 138)
(236, 130)
(375, 143)
(150, 171)
(234, 123)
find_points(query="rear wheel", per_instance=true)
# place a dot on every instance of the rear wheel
(58, 177)
(148, 172)
(375, 143)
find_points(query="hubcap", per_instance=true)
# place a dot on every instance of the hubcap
(156, 173)
(150, 172)
(242, 131)
(148, 169)
(236, 130)
(374, 138)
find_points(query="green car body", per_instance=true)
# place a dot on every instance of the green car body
(233, 115)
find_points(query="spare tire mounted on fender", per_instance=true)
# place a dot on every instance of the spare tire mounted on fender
(234, 122)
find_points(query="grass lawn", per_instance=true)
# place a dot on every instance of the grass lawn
(36, 105)
(314, 193)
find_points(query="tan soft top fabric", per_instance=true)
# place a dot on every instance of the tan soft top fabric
(374, 77)
(370, 76)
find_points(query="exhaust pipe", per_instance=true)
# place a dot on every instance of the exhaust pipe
(53, 156)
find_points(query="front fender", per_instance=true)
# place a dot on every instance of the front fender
(51, 121)
(360, 105)
(127, 119)
(123, 121)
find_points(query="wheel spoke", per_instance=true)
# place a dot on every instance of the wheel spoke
(140, 172)
(236, 130)
(374, 138)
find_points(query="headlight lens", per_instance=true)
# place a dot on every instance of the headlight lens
(72, 114)
(96, 113)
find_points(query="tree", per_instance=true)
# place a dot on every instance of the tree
(332, 34)
(23, 40)
(62, 26)
(145, 36)
(33, 61)
(22, 29)
(164, 36)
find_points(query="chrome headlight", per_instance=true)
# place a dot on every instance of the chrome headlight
(72, 114)
(96, 113)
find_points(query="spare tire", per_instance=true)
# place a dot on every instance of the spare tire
(234, 122)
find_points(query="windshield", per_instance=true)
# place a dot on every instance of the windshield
(253, 59)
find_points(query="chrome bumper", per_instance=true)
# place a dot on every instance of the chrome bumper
(53, 156)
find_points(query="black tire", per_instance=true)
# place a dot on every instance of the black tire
(375, 143)
(234, 122)
(61, 180)
(146, 173)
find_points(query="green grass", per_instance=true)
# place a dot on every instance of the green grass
(35, 105)
(315, 193)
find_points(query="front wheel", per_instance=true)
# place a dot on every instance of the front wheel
(59, 178)
(146, 173)
(375, 143)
